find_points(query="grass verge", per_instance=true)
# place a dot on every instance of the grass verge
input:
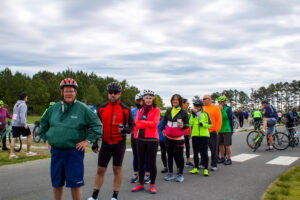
(286, 186)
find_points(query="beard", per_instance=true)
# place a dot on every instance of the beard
(113, 100)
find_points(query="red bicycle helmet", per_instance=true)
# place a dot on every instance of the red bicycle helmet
(68, 82)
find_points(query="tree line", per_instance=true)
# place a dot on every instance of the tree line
(43, 88)
(283, 96)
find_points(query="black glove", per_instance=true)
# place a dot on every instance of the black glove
(194, 114)
(95, 147)
(200, 124)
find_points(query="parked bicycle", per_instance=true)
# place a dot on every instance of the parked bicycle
(280, 140)
(7, 132)
(35, 133)
(293, 136)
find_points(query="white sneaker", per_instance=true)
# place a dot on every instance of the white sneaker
(30, 154)
(113, 198)
(213, 168)
(13, 156)
(91, 198)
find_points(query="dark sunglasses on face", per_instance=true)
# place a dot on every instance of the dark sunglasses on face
(113, 92)
(204, 99)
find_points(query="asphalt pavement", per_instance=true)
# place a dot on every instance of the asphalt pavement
(247, 178)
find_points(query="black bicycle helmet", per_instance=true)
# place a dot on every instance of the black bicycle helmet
(264, 102)
(198, 103)
(114, 87)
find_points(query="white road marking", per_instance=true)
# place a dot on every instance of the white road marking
(283, 160)
(243, 157)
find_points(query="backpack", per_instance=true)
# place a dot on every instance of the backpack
(274, 112)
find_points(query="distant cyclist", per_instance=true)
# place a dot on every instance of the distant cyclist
(50, 104)
(187, 135)
(117, 122)
(291, 118)
(269, 121)
(68, 127)
(257, 117)
(3, 115)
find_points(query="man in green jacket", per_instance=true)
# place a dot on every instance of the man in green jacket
(225, 134)
(68, 127)
(257, 116)
(200, 122)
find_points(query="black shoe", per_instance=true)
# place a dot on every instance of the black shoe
(165, 170)
(228, 162)
(5, 149)
(222, 160)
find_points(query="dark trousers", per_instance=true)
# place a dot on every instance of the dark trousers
(241, 121)
(200, 145)
(150, 148)
(175, 150)
(3, 141)
(213, 146)
(187, 145)
(163, 151)
(135, 161)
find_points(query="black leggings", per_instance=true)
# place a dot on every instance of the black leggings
(241, 121)
(200, 145)
(150, 148)
(163, 151)
(187, 145)
(175, 150)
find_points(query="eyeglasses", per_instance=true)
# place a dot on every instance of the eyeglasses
(204, 99)
(113, 92)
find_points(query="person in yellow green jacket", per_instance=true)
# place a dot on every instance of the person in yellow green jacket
(200, 122)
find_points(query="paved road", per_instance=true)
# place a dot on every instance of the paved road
(246, 179)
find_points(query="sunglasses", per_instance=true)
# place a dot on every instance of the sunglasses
(113, 92)
(205, 99)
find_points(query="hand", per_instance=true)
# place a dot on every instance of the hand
(95, 147)
(120, 130)
(26, 127)
(180, 125)
(163, 131)
(200, 124)
(49, 147)
(82, 145)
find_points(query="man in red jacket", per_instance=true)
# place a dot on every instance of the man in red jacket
(117, 122)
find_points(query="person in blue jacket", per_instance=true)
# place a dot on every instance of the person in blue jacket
(162, 144)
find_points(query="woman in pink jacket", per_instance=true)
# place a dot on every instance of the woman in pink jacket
(146, 133)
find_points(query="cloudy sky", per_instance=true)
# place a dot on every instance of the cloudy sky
(191, 47)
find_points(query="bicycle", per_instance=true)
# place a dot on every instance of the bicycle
(257, 125)
(36, 132)
(255, 138)
(7, 132)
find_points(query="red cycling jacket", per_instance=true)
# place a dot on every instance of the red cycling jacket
(111, 116)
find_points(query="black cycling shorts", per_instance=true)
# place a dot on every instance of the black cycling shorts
(117, 151)
(18, 131)
(225, 139)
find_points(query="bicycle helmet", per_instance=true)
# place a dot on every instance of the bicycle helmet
(264, 102)
(138, 97)
(51, 103)
(198, 103)
(114, 87)
(222, 98)
(68, 82)
(148, 92)
(1, 102)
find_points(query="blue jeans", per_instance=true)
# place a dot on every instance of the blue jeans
(271, 125)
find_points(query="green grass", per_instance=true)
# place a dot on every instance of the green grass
(287, 186)
(32, 118)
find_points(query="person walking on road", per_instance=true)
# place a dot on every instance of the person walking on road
(173, 126)
(187, 136)
(216, 119)
(20, 125)
(162, 144)
(117, 123)
(200, 121)
(68, 127)
(3, 115)
(146, 132)
(226, 131)
(241, 116)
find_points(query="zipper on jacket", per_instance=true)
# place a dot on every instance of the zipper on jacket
(112, 123)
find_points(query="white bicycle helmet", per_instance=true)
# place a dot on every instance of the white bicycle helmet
(138, 97)
(148, 92)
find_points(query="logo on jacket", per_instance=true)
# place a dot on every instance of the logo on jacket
(74, 117)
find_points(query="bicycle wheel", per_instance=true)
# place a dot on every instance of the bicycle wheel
(254, 139)
(235, 124)
(280, 141)
(18, 143)
(36, 134)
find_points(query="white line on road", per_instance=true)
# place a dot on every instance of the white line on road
(243, 157)
(283, 160)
